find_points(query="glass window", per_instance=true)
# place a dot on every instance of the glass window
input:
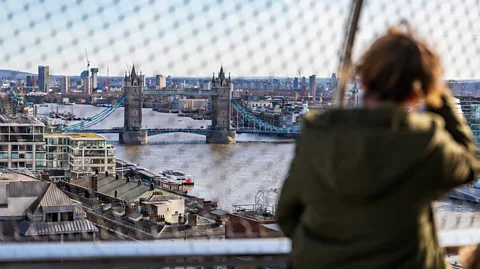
(14, 147)
(51, 217)
(29, 148)
(66, 216)
(3, 155)
(40, 164)
(3, 164)
(40, 147)
(29, 155)
(14, 155)
(40, 155)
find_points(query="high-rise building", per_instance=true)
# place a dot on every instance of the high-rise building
(43, 78)
(86, 81)
(295, 83)
(87, 85)
(32, 83)
(333, 82)
(94, 78)
(65, 84)
(312, 86)
(304, 82)
(160, 81)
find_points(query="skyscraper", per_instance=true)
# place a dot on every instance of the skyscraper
(333, 82)
(43, 78)
(295, 84)
(160, 81)
(87, 85)
(94, 79)
(65, 84)
(312, 86)
(86, 82)
(32, 83)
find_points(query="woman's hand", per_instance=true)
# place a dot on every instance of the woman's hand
(434, 99)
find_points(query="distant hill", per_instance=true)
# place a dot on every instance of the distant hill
(6, 73)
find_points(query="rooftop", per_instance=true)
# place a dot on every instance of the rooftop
(9, 176)
(127, 191)
(159, 198)
(19, 120)
(85, 135)
(54, 135)
(79, 136)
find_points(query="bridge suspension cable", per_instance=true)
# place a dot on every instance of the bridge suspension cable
(264, 126)
(97, 118)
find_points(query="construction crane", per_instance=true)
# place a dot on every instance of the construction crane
(88, 62)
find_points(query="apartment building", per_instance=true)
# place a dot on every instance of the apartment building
(22, 144)
(79, 152)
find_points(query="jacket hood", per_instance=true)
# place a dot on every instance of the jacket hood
(366, 153)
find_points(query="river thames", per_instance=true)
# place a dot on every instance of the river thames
(230, 174)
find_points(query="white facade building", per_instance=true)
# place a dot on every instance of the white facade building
(190, 104)
(79, 152)
(22, 142)
(168, 207)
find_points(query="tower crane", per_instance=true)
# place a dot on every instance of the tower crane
(88, 62)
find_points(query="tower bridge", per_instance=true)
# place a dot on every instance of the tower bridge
(221, 131)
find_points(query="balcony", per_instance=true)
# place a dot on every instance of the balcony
(258, 253)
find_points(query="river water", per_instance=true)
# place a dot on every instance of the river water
(230, 174)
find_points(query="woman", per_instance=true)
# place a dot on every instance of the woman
(359, 191)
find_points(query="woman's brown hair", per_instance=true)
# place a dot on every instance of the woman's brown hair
(394, 63)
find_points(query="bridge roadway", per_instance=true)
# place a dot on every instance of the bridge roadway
(189, 92)
(204, 132)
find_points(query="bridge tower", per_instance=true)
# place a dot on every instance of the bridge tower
(133, 89)
(222, 132)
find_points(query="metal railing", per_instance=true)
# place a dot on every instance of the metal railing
(170, 254)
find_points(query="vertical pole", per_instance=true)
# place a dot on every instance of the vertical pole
(346, 60)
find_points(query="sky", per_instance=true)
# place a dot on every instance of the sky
(247, 37)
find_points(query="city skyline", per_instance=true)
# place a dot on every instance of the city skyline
(189, 38)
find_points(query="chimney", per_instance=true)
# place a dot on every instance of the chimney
(192, 219)
(93, 188)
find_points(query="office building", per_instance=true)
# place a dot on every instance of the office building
(312, 86)
(86, 81)
(87, 85)
(65, 84)
(333, 82)
(32, 83)
(304, 82)
(160, 81)
(43, 78)
(206, 85)
(189, 104)
(81, 153)
(295, 84)
(22, 142)
(94, 78)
